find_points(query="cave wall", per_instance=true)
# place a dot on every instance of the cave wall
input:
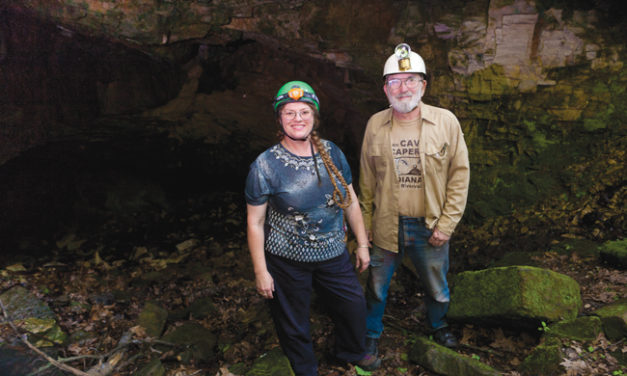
(53, 80)
(539, 87)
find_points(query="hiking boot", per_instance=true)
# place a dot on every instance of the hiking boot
(368, 363)
(371, 346)
(445, 338)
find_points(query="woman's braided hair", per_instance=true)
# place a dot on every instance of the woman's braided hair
(341, 200)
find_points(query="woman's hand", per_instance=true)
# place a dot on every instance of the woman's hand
(265, 284)
(362, 255)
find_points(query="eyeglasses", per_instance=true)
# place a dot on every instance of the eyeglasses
(410, 82)
(291, 115)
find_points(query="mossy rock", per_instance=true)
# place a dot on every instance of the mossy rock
(20, 304)
(153, 368)
(46, 332)
(444, 361)
(544, 360)
(614, 318)
(202, 308)
(489, 83)
(153, 319)
(198, 341)
(614, 253)
(514, 294)
(272, 363)
(33, 315)
(585, 328)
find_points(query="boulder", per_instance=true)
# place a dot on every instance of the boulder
(273, 363)
(202, 308)
(444, 361)
(198, 341)
(153, 319)
(21, 304)
(585, 328)
(153, 368)
(615, 253)
(544, 360)
(34, 316)
(614, 318)
(515, 295)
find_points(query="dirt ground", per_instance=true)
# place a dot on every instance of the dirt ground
(98, 286)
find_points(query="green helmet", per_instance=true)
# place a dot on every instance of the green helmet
(295, 91)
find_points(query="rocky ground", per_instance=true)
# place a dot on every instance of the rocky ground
(98, 283)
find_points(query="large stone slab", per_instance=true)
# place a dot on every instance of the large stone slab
(544, 360)
(153, 319)
(514, 294)
(273, 363)
(615, 253)
(33, 316)
(21, 304)
(444, 361)
(199, 342)
(585, 328)
(614, 318)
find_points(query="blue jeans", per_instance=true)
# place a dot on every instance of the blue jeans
(336, 283)
(431, 263)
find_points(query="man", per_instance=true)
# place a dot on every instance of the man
(414, 183)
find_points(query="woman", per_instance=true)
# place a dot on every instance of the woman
(297, 192)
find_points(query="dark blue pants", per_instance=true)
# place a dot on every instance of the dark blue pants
(336, 283)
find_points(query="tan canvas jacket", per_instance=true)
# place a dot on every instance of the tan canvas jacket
(445, 166)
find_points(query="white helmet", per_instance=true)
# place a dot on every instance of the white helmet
(404, 60)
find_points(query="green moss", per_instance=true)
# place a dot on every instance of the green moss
(514, 293)
(544, 360)
(614, 318)
(272, 363)
(444, 361)
(580, 329)
(489, 83)
(615, 252)
(153, 318)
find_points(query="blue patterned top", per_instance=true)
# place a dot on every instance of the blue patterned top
(303, 223)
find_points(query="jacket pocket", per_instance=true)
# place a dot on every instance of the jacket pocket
(436, 158)
(377, 154)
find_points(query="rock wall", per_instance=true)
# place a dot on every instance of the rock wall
(538, 86)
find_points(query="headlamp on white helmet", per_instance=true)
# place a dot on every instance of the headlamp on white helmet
(404, 60)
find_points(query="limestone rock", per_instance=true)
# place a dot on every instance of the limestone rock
(615, 253)
(202, 308)
(444, 361)
(580, 329)
(21, 304)
(614, 318)
(544, 360)
(273, 363)
(34, 316)
(153, 368)
(515, 294)
(153, 319)
(199, 342)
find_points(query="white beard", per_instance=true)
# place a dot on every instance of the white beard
(403, 106)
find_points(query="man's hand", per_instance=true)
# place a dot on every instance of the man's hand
(438, 238)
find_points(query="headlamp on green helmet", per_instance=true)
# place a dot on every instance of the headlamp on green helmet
(295, 91)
